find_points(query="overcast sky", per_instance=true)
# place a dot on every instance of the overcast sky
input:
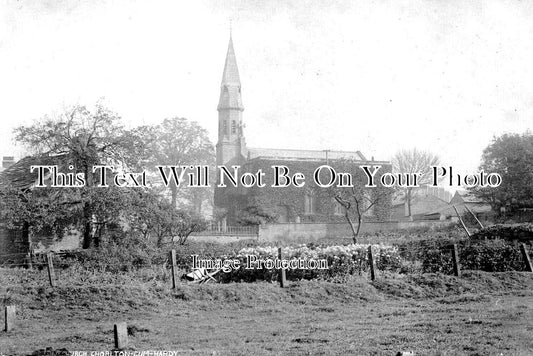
(374, 76)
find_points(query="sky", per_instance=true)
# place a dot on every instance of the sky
(375, 76)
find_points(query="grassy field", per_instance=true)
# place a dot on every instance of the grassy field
(478, 314)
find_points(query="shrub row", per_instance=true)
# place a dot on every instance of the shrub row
(425, 256)
(506, 231)
(489, 256)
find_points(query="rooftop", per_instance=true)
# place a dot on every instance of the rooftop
(303, 155)
(19, 175)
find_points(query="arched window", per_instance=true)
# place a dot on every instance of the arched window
(309, 203)
(338, 209)
(225, 127)
(233, 127)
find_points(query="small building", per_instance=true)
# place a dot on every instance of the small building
(426, 204)
(16, 243)
(464, 200)
(7, 161)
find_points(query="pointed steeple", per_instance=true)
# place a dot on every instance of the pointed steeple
(231, 146)
(230, 88)
(231, 72)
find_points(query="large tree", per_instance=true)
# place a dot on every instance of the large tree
(414, 161)
(177, 142)
(38, 211)
(88, 136)
(510, 155)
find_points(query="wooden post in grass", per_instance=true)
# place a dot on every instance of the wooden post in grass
(173, 267)
(371, 263)
(456, 266)
(29, 264)
(527, 260)
(50, 268)
(120, 331)
(282, 272)
(9, 318)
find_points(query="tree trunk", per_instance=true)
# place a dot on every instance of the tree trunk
(87, 238)
(26, 239)
(87, 213)
(355, 232)
(98, 234)
(409, 197)
(359, 222)
(359, 217)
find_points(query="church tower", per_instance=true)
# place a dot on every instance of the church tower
(231, 147)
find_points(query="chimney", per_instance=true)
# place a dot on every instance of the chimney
(7, 161)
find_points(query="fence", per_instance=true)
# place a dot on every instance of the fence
(60, 276)
(221, 229)
(444, 258)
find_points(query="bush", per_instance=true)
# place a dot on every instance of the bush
(491, 256)
(506, 232)
(123, 254)
(488, 256)
(342, 262)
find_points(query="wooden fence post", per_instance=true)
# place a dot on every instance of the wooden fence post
(527, 260)
(371, 263)
(9, 318)
(120, 331)
(50, 268)
(29, 263)
(282, 272)
(173, 267)
(456, 265)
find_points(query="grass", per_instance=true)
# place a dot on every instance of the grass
(477, 314)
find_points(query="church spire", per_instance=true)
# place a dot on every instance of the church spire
(231, 146)
(231, 72)
(230, 88)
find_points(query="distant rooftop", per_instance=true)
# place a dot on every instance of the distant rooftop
(19, 175)
(303, 155)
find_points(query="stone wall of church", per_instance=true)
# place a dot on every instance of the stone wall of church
(309, 203)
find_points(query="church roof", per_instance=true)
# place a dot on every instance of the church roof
(231, 72)
(303, 155)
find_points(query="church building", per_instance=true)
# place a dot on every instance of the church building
(291, 204)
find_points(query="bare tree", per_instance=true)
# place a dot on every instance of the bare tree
(357, 200)
(414, 161)
(356, 203)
